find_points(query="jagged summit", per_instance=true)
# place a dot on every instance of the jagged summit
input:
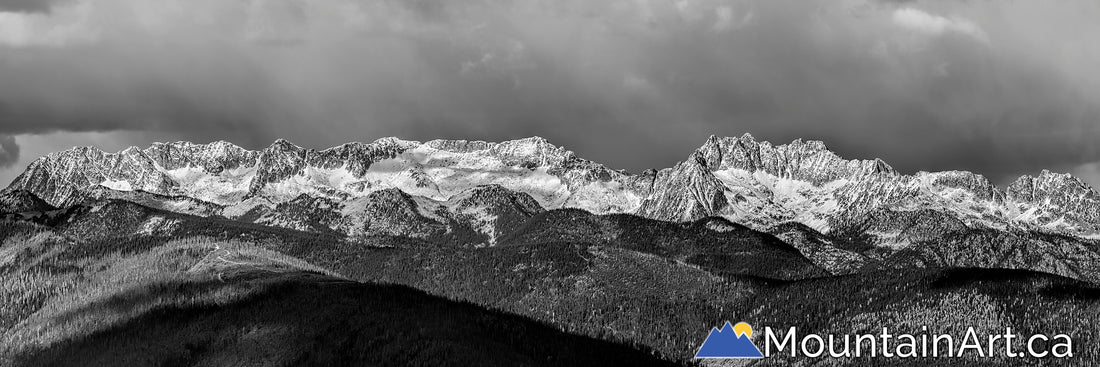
(751, 182)
(224, 173)
(808, 160)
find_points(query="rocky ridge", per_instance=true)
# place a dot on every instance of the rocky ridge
(746, 181)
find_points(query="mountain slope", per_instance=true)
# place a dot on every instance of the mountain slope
(22, 201)
(712, 244)
(302, 319)
(620, 278)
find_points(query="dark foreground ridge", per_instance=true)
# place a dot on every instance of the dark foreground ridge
(304, 319)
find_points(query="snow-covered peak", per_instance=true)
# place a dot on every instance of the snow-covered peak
(971, 182)
(226, 174)
(760, 184)
(395, 141)
(1048, 184)
(747, 181)
(807, 160)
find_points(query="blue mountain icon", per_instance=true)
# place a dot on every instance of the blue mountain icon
(727, 343)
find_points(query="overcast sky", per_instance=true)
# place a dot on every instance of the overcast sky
(999, 87)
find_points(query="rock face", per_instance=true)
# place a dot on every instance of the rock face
(761, 185)
(746, 181)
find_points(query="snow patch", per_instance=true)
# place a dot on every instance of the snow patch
(338, 178)
(158, 226)
(117, 185)
(226, 188)
(483, 222)
(440, 175)
(186, 207)
(1090, 236)
(760, 199)
(603, 198)
(242, 208)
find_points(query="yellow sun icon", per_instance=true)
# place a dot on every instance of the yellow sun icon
(743, 329)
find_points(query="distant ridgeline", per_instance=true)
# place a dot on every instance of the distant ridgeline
(748, 182)
(790, 235)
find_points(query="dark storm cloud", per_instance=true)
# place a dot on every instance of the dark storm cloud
(1002, 88)
(29, 6)
(220, 98)
(9, 151)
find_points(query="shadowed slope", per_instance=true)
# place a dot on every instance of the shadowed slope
(713, 244)
(295, 319)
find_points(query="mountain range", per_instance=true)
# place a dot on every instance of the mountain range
(787, 235)
(753, 183)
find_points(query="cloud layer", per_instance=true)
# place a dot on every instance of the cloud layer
(27, 6)
(999, 87)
